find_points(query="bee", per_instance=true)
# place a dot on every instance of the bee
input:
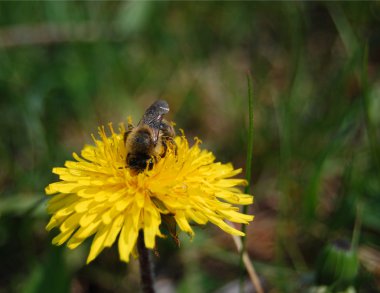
(149, 140)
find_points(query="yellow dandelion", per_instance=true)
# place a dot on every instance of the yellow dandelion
(99, 195)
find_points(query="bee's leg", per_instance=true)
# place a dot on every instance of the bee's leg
(173, 144)
(168, 134)
(150, 162)
(125, 137)
(167, 129)
(165, 148)
(168, 142)
(129, 127)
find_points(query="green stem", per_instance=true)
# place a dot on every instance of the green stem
(248, 174)
(357, 227)
(146, 266)
(370, 127)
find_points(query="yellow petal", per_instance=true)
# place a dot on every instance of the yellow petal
(236, 216)
(87, 219)
(62, 237)
(114, 231)
(109, 215)
(197, 216)
(183, 223)
(63, 187)
(151, 223)
(71, 223)
(127, 240)
(87, 231)
(74, 242)
(52, 224)
(226, 228)
(82, 206)
(98, 243)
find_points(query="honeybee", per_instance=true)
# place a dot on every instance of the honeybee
(149, 140)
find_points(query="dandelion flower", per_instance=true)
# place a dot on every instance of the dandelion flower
(99, 195)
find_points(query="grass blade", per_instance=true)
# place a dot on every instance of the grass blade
(248, 168)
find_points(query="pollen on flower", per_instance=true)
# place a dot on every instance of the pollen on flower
(98, 195)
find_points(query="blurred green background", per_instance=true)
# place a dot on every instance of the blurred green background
(67, 67)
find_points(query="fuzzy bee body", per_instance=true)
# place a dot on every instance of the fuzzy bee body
(148, 141)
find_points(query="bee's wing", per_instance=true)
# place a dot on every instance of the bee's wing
(153, 117)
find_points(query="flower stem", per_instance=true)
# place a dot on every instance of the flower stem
(146, 266)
